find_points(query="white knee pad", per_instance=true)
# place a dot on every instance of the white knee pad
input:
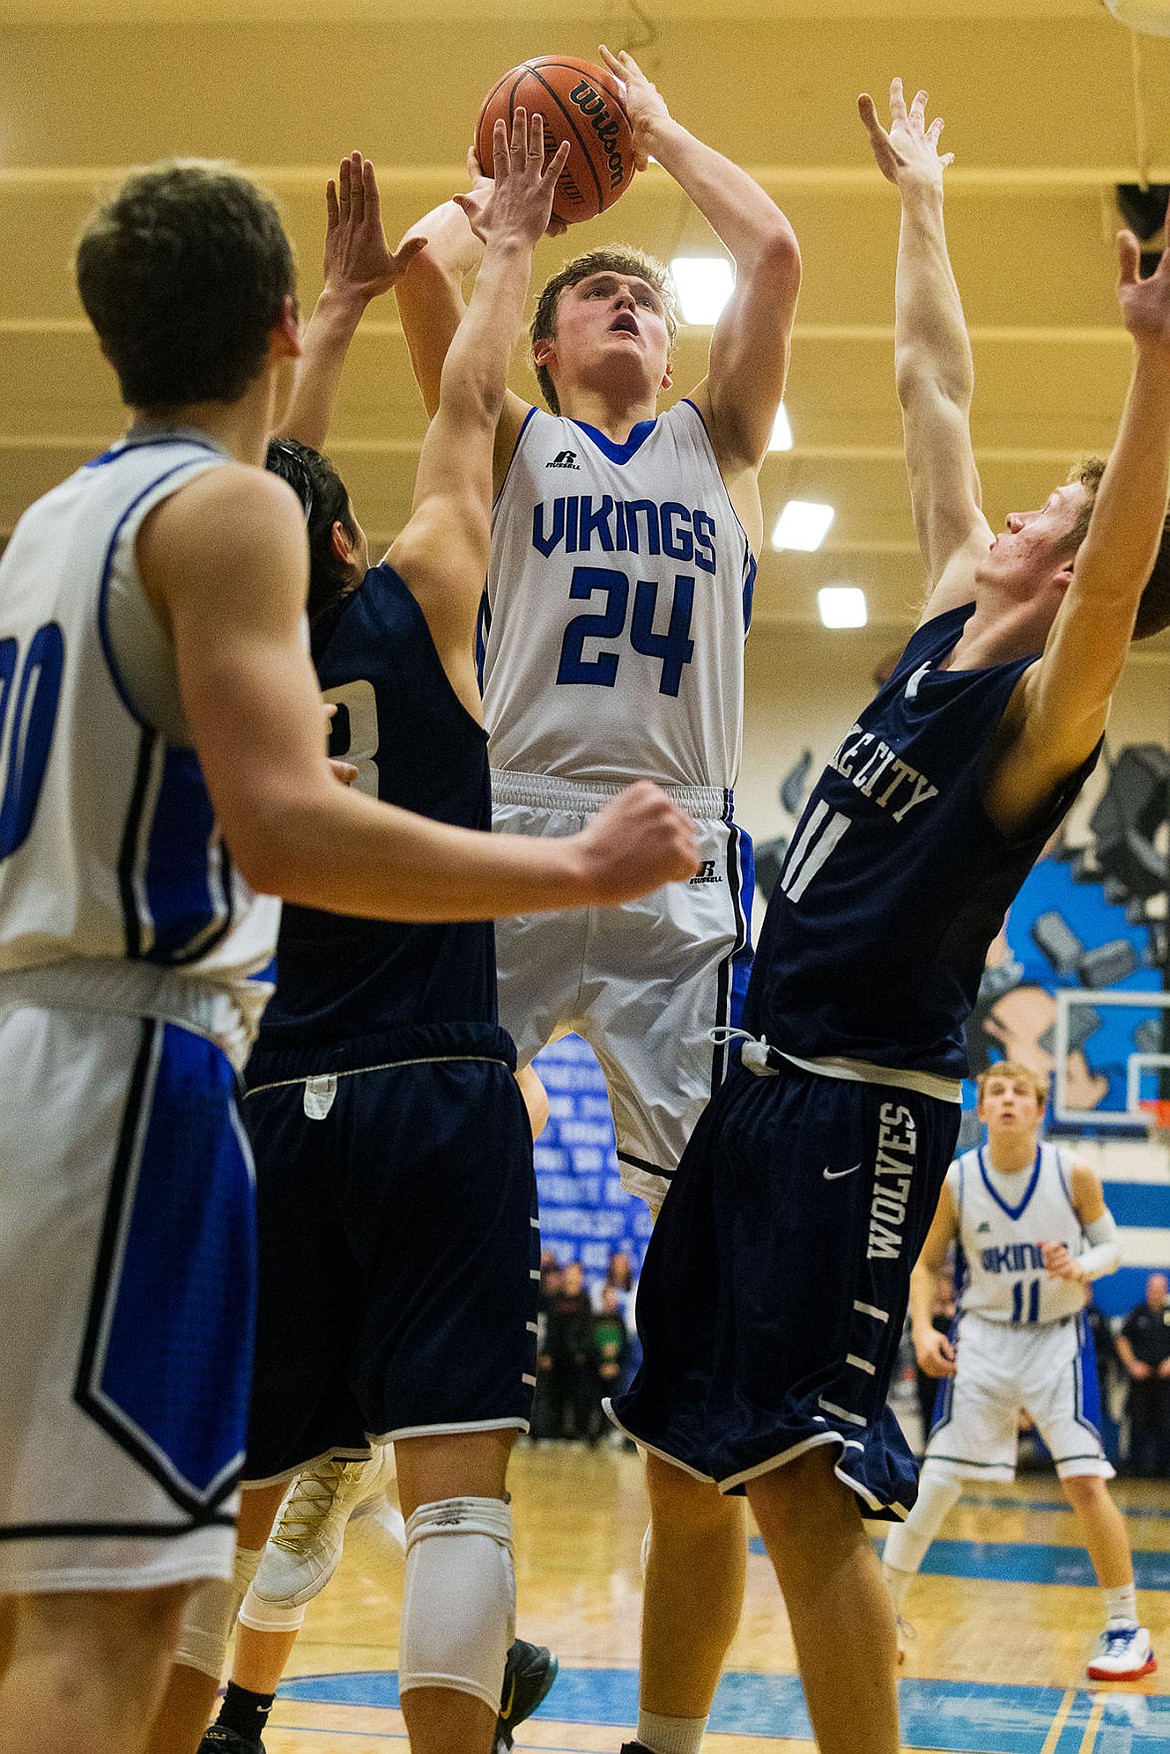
(939, 1490)
(459, 1601)
(264, 1616)
(211, 1613)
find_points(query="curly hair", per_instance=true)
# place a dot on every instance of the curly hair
(183, 274)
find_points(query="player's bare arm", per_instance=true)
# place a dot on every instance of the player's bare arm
(253, 708)
(1061, 706)
(750, 343)
(443, 551)
(936, 1355)
(431, 305)
(932, 353)
(358, 268)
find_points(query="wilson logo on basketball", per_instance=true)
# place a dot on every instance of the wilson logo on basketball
(604, 124)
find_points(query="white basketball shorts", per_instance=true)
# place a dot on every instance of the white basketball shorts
(1048, 1371)
(126, 1302)
(643, 984)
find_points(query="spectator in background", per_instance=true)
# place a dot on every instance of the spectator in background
(613, 1350)
(552, 1280)
(1110, 1375)
(1144, 1346)
(572, 1350)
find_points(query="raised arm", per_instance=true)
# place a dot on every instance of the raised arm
(431, 305)
(358, 268)
(1062, 705)
(443, 551)
(252, 703)
(932, 353)
(750, 343)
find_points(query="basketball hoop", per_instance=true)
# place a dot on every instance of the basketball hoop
(1152, 16)
(1156, 1114)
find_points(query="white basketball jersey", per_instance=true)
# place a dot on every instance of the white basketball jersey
(108, 845)
(618, 599)
(1002, 1222)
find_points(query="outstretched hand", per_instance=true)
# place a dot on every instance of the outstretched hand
(1145, 304)
(642, 101)
(908, 153)
(516, 200)
(357, 258)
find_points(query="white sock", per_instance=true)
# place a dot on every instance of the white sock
(1121, 1605)
(670, 1735)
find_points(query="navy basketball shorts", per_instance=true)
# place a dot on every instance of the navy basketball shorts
(127, 1280)
(399, 1244)
(775, 1285)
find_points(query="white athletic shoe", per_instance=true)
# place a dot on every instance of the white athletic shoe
(376, 1537)
(304, 1549)
(1123, 1653)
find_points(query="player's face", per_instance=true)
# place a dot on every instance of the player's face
(1009, 1105)
(1034, 545)
(614, 318)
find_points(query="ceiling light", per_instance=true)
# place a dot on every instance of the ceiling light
(781, 439)
(704, 284)
(842, 606)
(802, 524)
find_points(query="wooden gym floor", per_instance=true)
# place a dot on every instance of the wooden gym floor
(1005, 1614)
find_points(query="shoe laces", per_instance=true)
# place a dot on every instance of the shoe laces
(311, 1500)
(1117, 1637)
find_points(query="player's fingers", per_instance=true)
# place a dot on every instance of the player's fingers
(370, 189)
(536, 138)
(1129, 257)
(332, 212)
(867, 110)
(557, 162)
(408, 252)
(501, 162)
(357, 202)
(918, 105)
(519, 140)
(343, 188)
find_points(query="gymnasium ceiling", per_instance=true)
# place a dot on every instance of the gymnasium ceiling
(1049, 104)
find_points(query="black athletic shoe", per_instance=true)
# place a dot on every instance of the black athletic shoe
(220, 1740)
(529, 1672)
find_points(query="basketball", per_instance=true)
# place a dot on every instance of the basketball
(580, 103)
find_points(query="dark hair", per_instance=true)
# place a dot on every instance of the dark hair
(613, 259)
(1154, 608)
(325, 502)
(183, 274)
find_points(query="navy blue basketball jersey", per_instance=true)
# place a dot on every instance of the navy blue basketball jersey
(896, 880)
(415, 744)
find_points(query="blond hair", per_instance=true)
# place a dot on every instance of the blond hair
(1014, 1069)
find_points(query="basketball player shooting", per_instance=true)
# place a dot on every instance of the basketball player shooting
(618, 600)
(776, 1281)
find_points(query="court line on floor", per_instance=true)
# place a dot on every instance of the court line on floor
(992, 1501)
(1039, 1562)
(1062, 1711)
(949, 1716)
